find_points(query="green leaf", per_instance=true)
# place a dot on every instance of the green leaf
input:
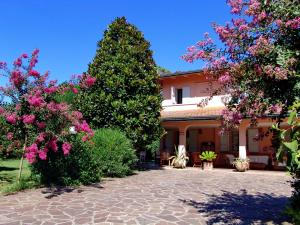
(291, 119)
(293, 146)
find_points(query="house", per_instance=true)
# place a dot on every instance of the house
(195, 129)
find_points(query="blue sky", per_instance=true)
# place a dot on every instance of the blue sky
(67, 31)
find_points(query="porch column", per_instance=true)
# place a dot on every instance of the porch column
(242, 140)
(182, 141)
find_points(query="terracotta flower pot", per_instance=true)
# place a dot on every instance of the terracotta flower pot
(207, 166)
(241, 166)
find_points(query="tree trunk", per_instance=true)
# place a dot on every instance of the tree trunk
(22, 158)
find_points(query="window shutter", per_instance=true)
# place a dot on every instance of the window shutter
(173, 97)
(186, 93)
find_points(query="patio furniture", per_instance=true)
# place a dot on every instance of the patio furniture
(164, 157)
(258, 161)
(196, 161)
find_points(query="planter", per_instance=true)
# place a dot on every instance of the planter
(241, 166)
(207, 166)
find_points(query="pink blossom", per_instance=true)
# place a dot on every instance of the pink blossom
(84, 127)
(74, 90)
(236, 6)
(41, 125)
(24, 55)
(34, 73)
(243, 27)
(78, 115)
(89, 81)
(28, 119)
(9, 136)
(11, 118)
(35, 52)
(35, 100)
(41, 137)
(52, 144)
(294, 23)
(225, 78)
(42, 154)
(18, 62)
(278, 22)
(50, 90)
(17, 78)
(3, 65)
(1, 110)
(66, 147)
(31, 153)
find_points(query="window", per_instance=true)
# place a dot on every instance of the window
(253, 143)
(225, 142)
(179, 96)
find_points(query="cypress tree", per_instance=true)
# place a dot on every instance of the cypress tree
(127, 91)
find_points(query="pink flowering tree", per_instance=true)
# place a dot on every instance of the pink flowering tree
(33, 115)
(258, 65)
(258, 62)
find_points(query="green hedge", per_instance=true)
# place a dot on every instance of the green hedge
(113, 152)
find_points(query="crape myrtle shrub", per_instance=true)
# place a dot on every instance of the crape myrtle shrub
(32, 117)
(113, 152)
(126, 94)
(78, 167)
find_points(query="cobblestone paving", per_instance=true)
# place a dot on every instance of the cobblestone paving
(168, 196)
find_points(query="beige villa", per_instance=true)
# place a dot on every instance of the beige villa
(195, 129)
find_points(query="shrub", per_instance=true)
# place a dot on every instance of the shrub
(113, 152)
(76, 168)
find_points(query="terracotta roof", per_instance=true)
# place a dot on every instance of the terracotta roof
(193, 114)
(179, 73)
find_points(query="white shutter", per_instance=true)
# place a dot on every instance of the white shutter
(253, 143)
(186, 94)
(224, 142)
(173, 97)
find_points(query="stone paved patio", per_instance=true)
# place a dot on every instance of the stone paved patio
(168, 196)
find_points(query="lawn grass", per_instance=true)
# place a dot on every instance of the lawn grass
(9, 170)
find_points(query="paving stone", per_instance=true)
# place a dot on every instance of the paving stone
(166, 196)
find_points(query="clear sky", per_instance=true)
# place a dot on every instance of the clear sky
(67, 31)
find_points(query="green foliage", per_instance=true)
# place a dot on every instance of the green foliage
(208, 156)
(78, 167)
(127, 92)
(16, 186)
(179, 160)
(113, 152)
(290, 148)
(8, 174)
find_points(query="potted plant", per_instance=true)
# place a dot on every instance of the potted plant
(207, 157)
(179, 160)
(241, 164)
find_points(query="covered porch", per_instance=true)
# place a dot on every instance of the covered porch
(196, 136)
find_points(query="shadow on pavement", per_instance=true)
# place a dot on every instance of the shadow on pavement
(241, 208)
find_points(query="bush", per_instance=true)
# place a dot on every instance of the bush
(76, 168)
(113, 152)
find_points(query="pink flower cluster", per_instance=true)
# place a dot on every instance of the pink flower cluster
(17, 78)
(276, 72)
(236, 6)
(232, 116)
(28, 119)
(35, 100)
(294, 23)
(262, 46)
(12, 118)
(224, 78)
